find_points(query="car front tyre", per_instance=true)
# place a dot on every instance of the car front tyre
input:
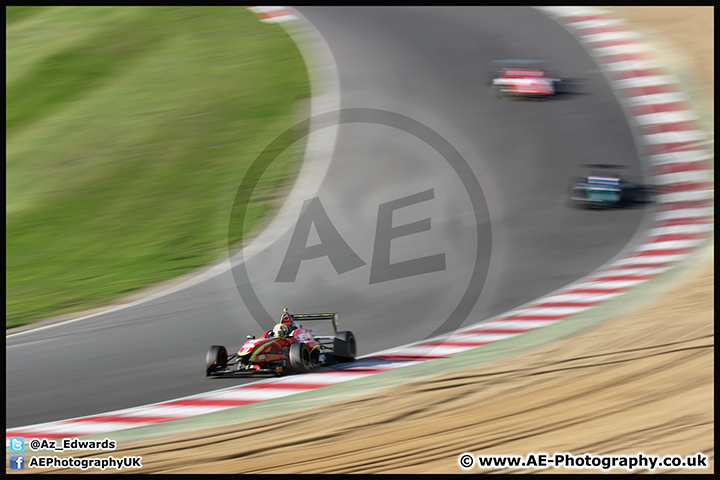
(216, 359)
(300, 358)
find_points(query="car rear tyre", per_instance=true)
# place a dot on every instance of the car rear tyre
(345, 347)
(300, 358)
(216, 359)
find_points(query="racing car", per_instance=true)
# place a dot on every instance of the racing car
(523, 79)
(603, 187)
(288, 347)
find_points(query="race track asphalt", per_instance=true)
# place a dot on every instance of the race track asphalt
(443, 206)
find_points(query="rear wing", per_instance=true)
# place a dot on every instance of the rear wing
(532, 67)
(311, 317)
(597, 180)
(601, 166)
(517, 63)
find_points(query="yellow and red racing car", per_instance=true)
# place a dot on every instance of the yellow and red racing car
(288, 347)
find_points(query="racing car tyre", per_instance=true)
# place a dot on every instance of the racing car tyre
(299, 358)
(216, 359)
(345, 347)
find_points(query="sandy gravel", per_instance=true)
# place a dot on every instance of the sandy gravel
(640, 383)
(689, 34)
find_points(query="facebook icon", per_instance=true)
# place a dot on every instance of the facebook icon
(17, 462)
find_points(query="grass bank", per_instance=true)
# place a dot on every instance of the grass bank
(128, 132)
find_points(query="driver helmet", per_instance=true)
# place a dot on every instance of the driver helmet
(281, 330)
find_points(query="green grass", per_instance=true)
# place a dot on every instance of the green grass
(129, 130)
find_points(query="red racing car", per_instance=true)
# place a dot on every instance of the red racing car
(524, 79)
(287, 347)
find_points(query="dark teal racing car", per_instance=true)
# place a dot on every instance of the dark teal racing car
(603, 187)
